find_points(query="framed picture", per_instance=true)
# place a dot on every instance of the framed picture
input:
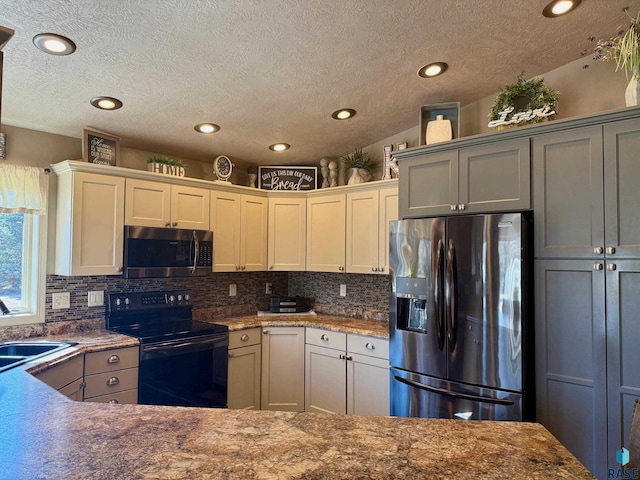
(287, 177)
(100, 148)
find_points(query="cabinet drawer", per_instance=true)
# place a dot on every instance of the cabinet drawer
(111, 360)
(244, 338)
(326, 338)
(63, 373)
(371, 346)
(128, 396)
(110, 382)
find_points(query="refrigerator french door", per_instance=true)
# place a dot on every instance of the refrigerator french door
(460, 339)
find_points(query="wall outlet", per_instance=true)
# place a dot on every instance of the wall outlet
(60, 300)
(232, 290)
(343, 290)
(96, 298)
(267, 289)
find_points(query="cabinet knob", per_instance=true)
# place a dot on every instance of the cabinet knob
(324, 338)
(244, 337)
(374, 269)
(230, 354)
(342, 356)
(598, 250)
(341, 269)
(597, 266)
(461, 206)
(113, 359)
(611, 267)
(113, 381)
(114, 400)
(174, 224)
(265, 332)
(168, 224)
(348, 357)
(270, 267)
(244, 267)
(611, 250)
(370, 346)
(237, 267)
(454, 207)
(381, 269)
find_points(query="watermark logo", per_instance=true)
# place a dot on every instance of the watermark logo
(622, 457)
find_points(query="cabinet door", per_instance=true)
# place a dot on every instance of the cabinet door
(567, 197)
(367, 385)
(622, 195)
(64, 373)
(623, 354)
(253, 233)
(326, 233)
(243, 390)
(189, 207)
(571, 358)
(287, 229)
(429, 184)
(325, 380)
(362, 231)
(147, 204)
(74, 390)
(283, 369)
(225, 224)
(94, 241)
(495, 177)
(388, 212)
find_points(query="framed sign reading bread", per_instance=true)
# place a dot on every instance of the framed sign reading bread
(100, 148)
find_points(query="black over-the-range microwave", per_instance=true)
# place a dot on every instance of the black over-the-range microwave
(166, 252)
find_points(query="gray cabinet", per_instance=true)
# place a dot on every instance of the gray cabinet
(481, 178)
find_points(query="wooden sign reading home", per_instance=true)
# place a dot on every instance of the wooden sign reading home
(100, 148)
(288, 178)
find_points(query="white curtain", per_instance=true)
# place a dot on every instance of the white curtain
(23, 189)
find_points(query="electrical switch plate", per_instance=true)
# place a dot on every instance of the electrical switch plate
(343, 290)
(60, 300)
(232, 290)
(267, 288)
(96, 298)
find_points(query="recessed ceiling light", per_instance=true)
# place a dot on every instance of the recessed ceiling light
(206, 128)
(433, 70)
(343, 113)
(279, 147)
(560, 7)
(54, 44)
(106, 103)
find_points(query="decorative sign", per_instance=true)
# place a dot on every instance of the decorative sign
(288, 178)
(520, 117)
(100, 148)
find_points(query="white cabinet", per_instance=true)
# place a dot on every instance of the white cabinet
(111, 376)
(239, 225)
(283, 369)
(89, 223)
(346, 373)
(66, 377)
(326, 233)
(245, 352)
(156, 204)
(287, 228)
(367, 229)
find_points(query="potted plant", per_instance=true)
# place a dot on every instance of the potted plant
(359, 164)
(165, 165)
(523, 102)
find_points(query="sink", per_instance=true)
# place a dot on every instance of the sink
(13, 354)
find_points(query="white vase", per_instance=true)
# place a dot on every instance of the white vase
(438, 130)
(358, 175)
(632, 93)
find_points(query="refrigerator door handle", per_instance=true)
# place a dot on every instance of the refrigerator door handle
(452, 280)
(449, 393)
(438, 296)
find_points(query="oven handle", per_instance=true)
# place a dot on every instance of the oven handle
(183, 346)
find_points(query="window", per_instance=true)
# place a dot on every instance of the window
(22, 265)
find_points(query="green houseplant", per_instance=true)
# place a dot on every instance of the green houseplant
(165, 165)
(164, 160)
(524, 96)
(360, 165)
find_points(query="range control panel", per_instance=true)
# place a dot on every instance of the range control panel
(145, 300)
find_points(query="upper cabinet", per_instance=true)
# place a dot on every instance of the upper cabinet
(155, 204)
(326, 233)
(287, 243)
(481, 178)
(239, 225)
(89, 223)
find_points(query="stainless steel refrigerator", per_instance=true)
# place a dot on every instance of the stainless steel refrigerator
(461, 319)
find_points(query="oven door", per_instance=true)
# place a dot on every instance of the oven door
(190, 372)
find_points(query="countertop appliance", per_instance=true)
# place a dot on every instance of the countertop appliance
(461, 319)
(183, 362)
(166, 252)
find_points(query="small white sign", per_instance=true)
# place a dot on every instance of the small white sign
(520, 117)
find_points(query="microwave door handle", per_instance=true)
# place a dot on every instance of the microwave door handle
(196, 246)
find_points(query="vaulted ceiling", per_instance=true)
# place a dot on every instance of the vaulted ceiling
(270, 71)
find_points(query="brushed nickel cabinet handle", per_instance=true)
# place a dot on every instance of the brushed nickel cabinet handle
(113, 359)
(265, 332)
(461, 206)
(611, 267)
(324, 338)
(597, 266)
(230, 354)
(114, 400)
(611, 250)
(598, 250)
(370, 346)
(244, 338)
(168, 224)
(113, 381)
(174, 224)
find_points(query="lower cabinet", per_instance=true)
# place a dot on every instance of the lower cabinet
(346, 373)
(283, 369)
(66, 377)
(245, 360)
(111, 376)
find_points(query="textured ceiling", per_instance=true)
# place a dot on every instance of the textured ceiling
(272, 71)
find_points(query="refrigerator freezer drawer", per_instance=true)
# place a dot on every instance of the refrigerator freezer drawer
(414, 395)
